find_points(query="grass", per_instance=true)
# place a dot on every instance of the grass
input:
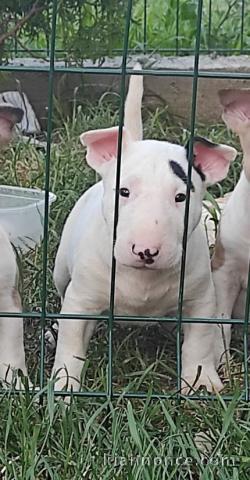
(221, 28)
(98, 438)
(123, 439)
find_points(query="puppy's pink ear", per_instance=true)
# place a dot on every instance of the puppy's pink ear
(212, 160)
(236, 108)
(9, 116)
(102, 146)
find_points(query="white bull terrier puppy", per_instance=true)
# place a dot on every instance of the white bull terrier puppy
(11, 329)
(148, 247)
(230, 261)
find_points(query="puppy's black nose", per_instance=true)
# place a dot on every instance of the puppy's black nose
(151, 252)
(145, 253)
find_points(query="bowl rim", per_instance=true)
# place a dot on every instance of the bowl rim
(37, 202)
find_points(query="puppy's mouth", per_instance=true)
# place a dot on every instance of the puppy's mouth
(148, 264)
(157, 262)
(145, 262)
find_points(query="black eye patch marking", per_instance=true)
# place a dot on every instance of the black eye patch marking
(179, 172)
(205, 142)
(199, 171)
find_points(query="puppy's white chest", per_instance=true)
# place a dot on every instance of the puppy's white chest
(145, 294)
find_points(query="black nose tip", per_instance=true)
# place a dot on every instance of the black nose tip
(149, 254)
(139, 254)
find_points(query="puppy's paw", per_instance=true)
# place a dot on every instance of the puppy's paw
(23, 383)
(14, 378)
(203, 376)
(65, 382)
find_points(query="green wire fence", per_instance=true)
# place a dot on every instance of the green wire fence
(176, 23)
(123, 72)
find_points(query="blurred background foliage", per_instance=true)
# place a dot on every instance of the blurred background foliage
(95, 28)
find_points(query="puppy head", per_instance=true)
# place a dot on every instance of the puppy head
(236, 109)
(236, 115)
(9, 116)
(152, 192)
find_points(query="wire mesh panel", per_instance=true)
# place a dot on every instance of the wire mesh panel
(136, 36)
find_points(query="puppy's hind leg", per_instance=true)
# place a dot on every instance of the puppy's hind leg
(12, 354)
(227, 288)
(61, 273)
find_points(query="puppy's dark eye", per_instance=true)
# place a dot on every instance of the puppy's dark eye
(124, 192)
(180, 197)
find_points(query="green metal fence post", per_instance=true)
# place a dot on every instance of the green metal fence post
(116, 210)
(190, 162)
(47, 183)
(209, 24)
(242, 26)
(145, 27)
(246, 337)
(177, 26)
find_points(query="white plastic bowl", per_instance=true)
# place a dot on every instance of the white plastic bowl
(22, 215)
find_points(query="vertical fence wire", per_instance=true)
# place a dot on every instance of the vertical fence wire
(177, 26)
(15, 36)
(145, 27)
(117, 186)
(246, 320)
(47, 37)
(209, 25)
(190, 163)
(242, 26)
(47, 184)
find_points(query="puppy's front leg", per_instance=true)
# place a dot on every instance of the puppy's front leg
(11, 337)
(227, 287)
(73, 339)
(199, 351)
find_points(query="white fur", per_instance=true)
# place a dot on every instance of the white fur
(11, 329)
(230, 279)
(234, 232)
(149, 219)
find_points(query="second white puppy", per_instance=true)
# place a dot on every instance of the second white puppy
(12, 354)
(230, 262)
(148, 246)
